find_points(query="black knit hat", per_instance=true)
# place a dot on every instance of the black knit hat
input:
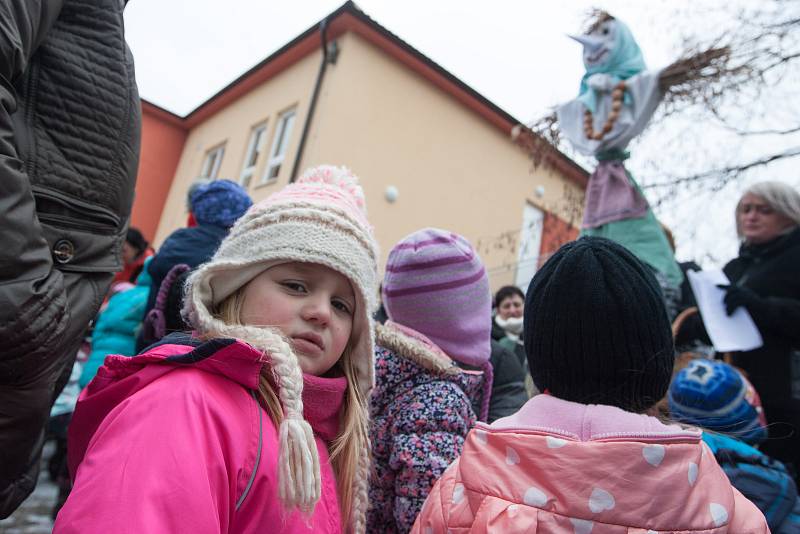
(596, 330)
(136, 240)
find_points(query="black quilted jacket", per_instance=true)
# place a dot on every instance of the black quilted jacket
(69, 146)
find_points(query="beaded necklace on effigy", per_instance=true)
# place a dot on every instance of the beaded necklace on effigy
(616, 106)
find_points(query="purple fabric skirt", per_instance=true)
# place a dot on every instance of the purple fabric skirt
(612, 196)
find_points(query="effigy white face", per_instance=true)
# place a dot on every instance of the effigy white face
(598, 44)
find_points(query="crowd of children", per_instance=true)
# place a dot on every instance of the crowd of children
(282, 406)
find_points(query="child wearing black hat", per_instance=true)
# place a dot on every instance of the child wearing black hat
(585, 456)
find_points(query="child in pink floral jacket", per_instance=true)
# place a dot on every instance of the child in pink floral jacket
(437, 296)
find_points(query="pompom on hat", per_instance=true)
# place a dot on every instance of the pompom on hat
(320, 219)
(219, 203)
(713, 395)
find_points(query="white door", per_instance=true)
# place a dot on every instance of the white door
(530, 243)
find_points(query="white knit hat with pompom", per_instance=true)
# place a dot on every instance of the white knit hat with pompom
(320, 219)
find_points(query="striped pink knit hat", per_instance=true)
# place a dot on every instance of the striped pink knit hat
(436, 284)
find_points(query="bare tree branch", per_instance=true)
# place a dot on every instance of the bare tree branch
(726, 173)
(746, 133)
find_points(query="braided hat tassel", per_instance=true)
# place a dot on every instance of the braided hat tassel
(299, 477)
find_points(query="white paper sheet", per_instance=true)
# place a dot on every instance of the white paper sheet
(727, 333)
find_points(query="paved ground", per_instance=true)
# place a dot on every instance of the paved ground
(33, 516)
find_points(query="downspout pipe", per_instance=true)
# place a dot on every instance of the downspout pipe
(326, 58)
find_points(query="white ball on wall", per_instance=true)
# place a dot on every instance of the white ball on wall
(391, 193)
(539, 191)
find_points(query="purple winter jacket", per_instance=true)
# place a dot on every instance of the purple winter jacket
(420, 411)
(173, 440)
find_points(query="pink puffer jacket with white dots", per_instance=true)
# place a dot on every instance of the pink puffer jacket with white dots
(561, 467)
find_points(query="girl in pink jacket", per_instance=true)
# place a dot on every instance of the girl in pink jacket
(584, 457)
(257, 421)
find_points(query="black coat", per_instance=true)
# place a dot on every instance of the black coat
(508, 384)
(191, 246)
(772, 271)
(508, 388)
(69, 148)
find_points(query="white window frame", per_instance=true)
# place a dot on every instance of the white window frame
(212, 162)
(279, 144)
(258, 138)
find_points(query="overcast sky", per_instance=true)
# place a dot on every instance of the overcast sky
(515, 53)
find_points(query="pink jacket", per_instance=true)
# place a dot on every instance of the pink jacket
(173, 440)
(561, 467)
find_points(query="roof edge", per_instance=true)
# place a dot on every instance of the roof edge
(372, 31)
(310, 32)
(496, 116)
(163, 114)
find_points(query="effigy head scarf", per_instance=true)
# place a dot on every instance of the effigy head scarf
(608, 48)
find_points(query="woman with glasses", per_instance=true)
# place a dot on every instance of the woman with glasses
(765, 280)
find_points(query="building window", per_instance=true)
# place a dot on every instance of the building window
(254, 149)
(212, 163)
(276, 155)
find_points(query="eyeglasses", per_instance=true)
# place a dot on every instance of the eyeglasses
(761, 209)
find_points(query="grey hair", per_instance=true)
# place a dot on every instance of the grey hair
(780, 196)
(199, 182)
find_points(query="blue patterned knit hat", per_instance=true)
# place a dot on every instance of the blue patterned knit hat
(713, 395)
(219, 203)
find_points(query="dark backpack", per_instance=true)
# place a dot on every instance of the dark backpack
(766, 483)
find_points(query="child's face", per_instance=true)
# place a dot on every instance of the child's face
(311, 304)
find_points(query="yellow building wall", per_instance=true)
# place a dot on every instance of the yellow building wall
(232, 127)
(453, 169)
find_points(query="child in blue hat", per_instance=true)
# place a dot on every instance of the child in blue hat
(715, 396)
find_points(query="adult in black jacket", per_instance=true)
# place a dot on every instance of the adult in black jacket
(69, 147)
(509, 302)
(765, 279)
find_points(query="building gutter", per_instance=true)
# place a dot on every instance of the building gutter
(327, 57)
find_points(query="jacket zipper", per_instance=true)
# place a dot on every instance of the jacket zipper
(30, 85)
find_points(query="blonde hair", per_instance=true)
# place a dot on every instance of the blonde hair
(349, 451)
(780, 196)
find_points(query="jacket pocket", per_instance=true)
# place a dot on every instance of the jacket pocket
(83, 237)
(61, 210)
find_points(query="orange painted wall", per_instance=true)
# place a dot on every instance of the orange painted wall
(163, 138)
(555, 232)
